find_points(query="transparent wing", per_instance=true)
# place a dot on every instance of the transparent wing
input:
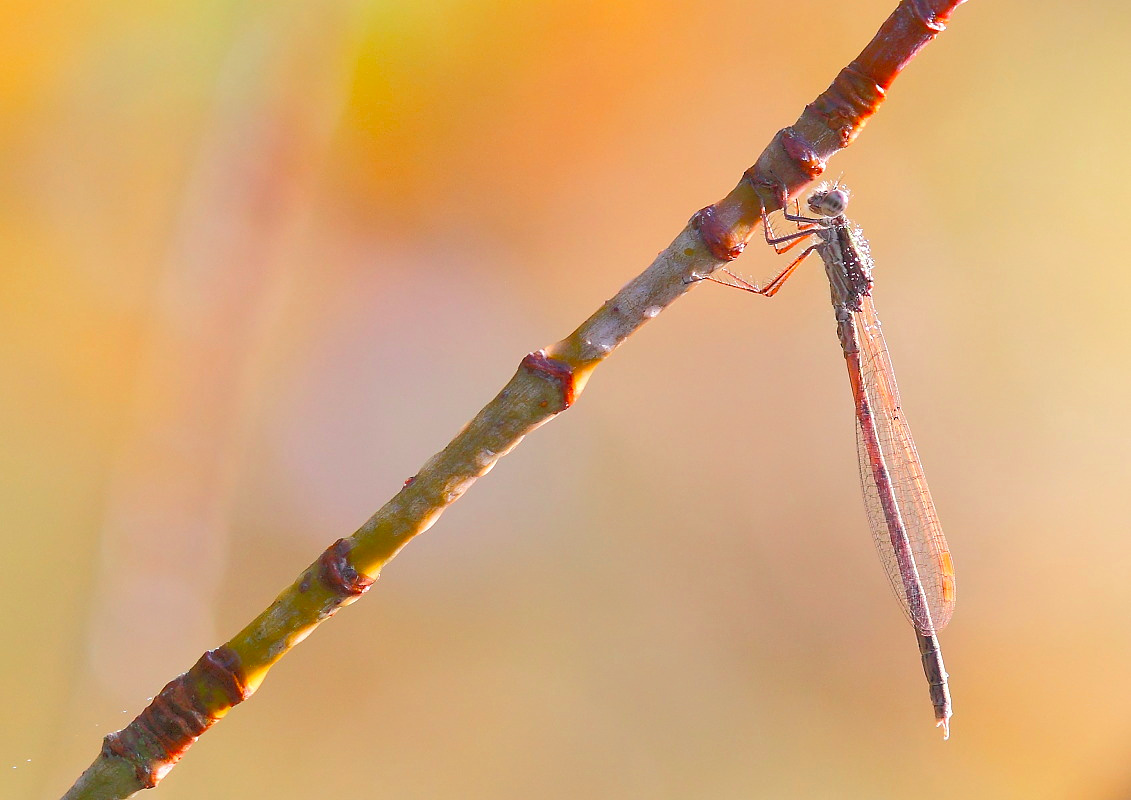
(895, 490)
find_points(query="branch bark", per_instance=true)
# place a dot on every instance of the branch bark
(547, 382)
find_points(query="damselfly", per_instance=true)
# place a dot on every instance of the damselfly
(904, 524)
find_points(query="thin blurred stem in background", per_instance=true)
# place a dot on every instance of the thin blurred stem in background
(547, 382)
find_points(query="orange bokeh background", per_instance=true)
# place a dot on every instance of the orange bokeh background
(261, 260)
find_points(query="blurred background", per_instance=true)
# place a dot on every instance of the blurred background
(261, 260)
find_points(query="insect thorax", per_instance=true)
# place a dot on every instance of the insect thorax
(856, 256)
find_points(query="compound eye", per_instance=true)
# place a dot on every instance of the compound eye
(831, 203)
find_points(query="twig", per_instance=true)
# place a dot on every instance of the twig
(547, 382)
